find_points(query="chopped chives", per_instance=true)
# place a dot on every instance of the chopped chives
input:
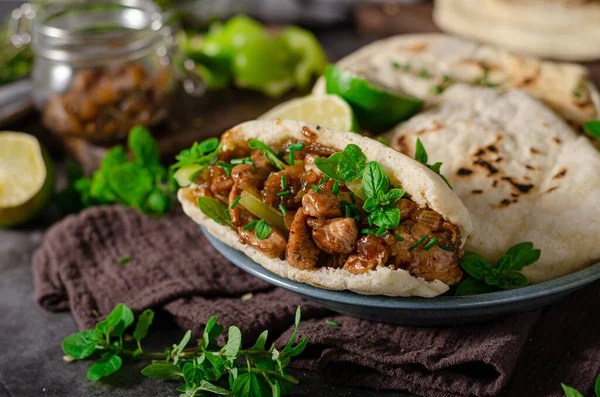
(297, 146)
(283, 183)
(398, 237)
(316, 188)
(368, 231)
(124, 260)
(282, 209)
(250, 225)
(431, 243)
(353, 197)
(380, 232)
(415, 245)
(281, 194)
(235, 202)
(245, 160)
(348, 211)
(320, 181)
(333, 323)
(225, 165)
(326, 179)
(291, 157)
(446, 247)
(336, 188)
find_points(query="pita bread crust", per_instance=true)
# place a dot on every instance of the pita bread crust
(464, 61)
(535, 27)
(425, 187)
(522, 172)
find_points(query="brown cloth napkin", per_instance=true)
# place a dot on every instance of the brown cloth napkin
(173, 267)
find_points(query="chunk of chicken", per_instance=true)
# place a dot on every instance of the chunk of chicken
(436, 264)
(273, 246)
(239, 215)
(309, 165)
(301, 251)
(372, 252)
(335, 236)
(246, 176)
(321, 205)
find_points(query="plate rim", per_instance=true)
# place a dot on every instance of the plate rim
(532, 292)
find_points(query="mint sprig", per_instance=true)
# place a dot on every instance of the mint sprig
(204, 368)
(344, 166)
(421, 157)
(380, 198)
(484, 278)
(572, 392)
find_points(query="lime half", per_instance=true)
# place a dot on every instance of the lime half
(26, 178)
(376, 108)
(329, 111)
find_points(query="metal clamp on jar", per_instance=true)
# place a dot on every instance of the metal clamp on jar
(100, 67)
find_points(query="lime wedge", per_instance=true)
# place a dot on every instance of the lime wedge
(376, 108)
(329, 111)
(26, 178)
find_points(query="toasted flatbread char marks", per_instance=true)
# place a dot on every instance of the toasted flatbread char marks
(425, 189)
(424, 65)
(522, 172)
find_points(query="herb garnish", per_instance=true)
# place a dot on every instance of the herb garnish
(383, 141)
(415, 245)
(283, 182)
(316, 188)
(332, 323)
(227, 167)
(445, 83)
(201, 153)
(592, 128)
(235, 202)
(380, 198)
(262, 230)
(249, 225)
(282, 208)
(269, 153)
(245, 160)
(431, 243)
(281, 194)
(421, 157)
(424, 74)
(578, 90)
(294, 147)
(572, 392)
(204, 368)
(344, 166)
(446, 247)
(124, 260)
(505, 275)
(215, 210)
(336, 188)
(483, 80)
(398, 237)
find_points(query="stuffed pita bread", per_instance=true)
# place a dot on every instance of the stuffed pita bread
(561, 29)
(295, 202)
(522, 172)
(424, 65)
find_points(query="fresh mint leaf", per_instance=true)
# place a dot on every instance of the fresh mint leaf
(117, 321)
(375, 181)
(261, 341)
(387, 217)
(371, 204)
(504, 264)
(262, 230)
(570, 392)
(199, 153)
(421, 153)
(269, 153)
(523, 255)
(158, 202)
(592, 128)
(475, 265)
(250, 385)
(131, 183)
(234, 342)
(215, 210)
(211, 332)
(143, 147)
(597, 386)
(163, 371)
(299, 348)
(472, 286)
(192, 374)
(293, 336)
(104, 367)
(514, 280)
(344, 166)
(209, 387)
(392, 196)
(80, 345)
(144, 322)
(217, 362)
(179, 348)
(113, 158)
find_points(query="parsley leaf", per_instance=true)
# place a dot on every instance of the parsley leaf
(262, 230)
(215, 210)
(344, 166)
(269, 153)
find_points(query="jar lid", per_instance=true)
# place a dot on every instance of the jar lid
(82, 31)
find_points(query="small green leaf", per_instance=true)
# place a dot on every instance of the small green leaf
(144, 322)
(143, 147)
(131, 183)
(343, 166)
(420, 153)
(504, 264)
(514, 280)
(332, 323)
(191, 373)
(472, 286)
(179, 348)
(260, 342)
(269, 153)
(597, 386)
(234, 342)
(214, 209)
(124, 260)
(522, 255)
(163, 371)
(299, 348)
(375, 181)
(386, 216)
(250, 385)
(211, 332)
(293, 337)
(217, 362)
(113, 158)
(209, 387)
(118, 320)
(592, 128)
(80, 345)
(570, 392)
(392, 196)
(158, 202)
(262, 230)
(104, 367)
(475, 265)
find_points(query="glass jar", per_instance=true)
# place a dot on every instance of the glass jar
(102, 67)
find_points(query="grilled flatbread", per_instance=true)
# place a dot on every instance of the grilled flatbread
(426, 193)
(522, 172)
(424, 65)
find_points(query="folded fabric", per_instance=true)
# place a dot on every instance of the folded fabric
(173, 267)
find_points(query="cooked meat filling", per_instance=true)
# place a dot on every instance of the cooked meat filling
(314, 221)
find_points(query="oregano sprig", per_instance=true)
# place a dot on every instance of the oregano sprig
(204, 368)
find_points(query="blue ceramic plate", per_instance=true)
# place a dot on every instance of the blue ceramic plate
(443, 310)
